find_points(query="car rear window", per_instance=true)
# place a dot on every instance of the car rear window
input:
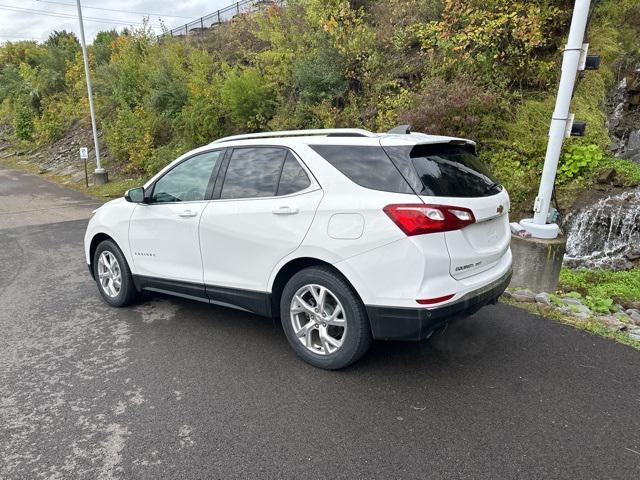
(368, 166)
(253, 172)
(444, 170)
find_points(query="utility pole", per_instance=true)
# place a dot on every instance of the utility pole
(561, 124)
(100, 177)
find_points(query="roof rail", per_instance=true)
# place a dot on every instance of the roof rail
(329, 132)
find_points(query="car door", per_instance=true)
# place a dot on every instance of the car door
(262, 209)
(163, 232)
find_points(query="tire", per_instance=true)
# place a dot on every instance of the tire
(126, 294)
(331, 342)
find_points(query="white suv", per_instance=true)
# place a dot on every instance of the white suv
(343, 234)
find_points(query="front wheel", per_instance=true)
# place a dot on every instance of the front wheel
(112, 274)
(324, 319)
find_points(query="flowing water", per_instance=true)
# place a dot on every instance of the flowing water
(605, 234)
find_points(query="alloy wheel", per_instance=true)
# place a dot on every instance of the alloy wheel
(318, 318)
(109, 274)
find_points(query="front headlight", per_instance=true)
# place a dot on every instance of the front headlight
(93, 214)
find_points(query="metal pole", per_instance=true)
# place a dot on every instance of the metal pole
(571, 63)
(101, 174)
(86, 173)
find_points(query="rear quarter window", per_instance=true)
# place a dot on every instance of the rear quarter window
(293, 177)
(368, 166)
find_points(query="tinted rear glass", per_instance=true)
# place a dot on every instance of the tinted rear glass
(444, 170)
(253, 172)
(293, 177)
(369, 167)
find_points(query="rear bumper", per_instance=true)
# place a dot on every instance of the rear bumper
(392, 323)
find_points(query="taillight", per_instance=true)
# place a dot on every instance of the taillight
(418, 219)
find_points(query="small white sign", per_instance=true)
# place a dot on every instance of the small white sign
(84, 153)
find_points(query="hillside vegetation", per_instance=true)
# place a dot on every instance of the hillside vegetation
(486, 70)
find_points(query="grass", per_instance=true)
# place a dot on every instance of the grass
(622, 287)
(115, 188)
(627, 170)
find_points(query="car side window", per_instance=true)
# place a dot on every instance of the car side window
(293, 177)
(188, 181)
(253, 172)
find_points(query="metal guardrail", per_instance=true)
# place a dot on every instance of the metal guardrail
(226, 14)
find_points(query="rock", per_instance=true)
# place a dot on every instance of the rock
(634, 316)
(632, 306)
(543, 298)
(622, 317)
(633, 144)
(580, 309)
(634, 333)
(632, 255)
(607, 176)
(616, 146)
(571, 301)
(634, 157)
(526, 296)
(612, 323)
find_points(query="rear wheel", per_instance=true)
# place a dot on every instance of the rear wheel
(112, 274)
(324, 319)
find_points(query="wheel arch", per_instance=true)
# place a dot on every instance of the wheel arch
(292, 267)
(95, 241)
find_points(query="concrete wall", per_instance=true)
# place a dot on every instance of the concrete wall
(537, 263)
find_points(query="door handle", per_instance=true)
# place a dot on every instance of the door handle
(284, 210)
(187, 213)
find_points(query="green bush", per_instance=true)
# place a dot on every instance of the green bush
(249, 97)
(504, 41)
(319, 77)
(23, 121)
(161, 157)
(577, 160)
(130, 137)
(57, 116)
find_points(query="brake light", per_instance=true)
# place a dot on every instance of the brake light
(419, 219)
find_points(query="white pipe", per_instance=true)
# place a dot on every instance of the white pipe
(85, 57)
(570, 65)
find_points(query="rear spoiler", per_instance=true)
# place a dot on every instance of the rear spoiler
(468, 144)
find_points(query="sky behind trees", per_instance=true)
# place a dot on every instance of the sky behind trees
(36, 19)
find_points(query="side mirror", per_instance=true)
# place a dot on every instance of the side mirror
(135, 195)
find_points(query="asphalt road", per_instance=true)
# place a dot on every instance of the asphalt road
(175, 389)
